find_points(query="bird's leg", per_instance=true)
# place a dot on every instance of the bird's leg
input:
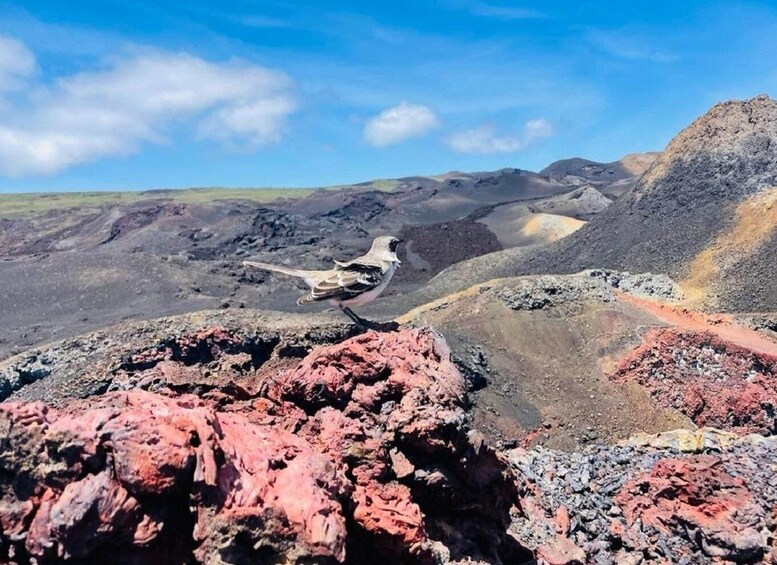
(366, 324)
(359, 321)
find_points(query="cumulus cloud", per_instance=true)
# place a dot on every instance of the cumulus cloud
(537, 129)
(485, 139)
(17, 63)
(399, 123)
(90, 115)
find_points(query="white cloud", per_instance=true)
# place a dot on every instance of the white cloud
(630, 45)
(263, 22)
(537, 129)
(90, 115)
(399, 123)
(16, 63)
(484, 139)
(504, 12)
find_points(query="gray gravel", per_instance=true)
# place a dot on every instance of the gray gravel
(547, 291)
(587, 482)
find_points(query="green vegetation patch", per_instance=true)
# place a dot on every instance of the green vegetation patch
(27, 203)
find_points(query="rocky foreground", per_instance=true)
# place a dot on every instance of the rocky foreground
(595, 417)
(361, 449)
(323, 448)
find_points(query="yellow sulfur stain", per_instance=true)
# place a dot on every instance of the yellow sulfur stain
(551, 227)
(755, 219)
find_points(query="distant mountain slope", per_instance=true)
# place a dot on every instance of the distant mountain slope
(583, 203)
(687, 202)
(628, 166)
(90, 259)
(613, 179)
(589, 170)
(705, 213)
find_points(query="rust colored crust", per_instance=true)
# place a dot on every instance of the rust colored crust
(362, 448)
(722, 325)
(712, 381)
(694, 494)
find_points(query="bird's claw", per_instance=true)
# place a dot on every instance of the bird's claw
(367, 324)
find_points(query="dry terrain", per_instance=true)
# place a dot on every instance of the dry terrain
(90, 259)
(575, 366)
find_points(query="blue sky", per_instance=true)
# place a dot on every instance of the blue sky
(136, 94)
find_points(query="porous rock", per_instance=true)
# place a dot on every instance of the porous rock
(362, 449)
(646, 500)
(713, 381)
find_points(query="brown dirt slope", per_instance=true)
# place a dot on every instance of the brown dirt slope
(565, 360)
(538, 350)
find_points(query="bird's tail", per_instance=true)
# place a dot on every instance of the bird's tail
(277, 269)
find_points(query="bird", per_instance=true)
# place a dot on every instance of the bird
(348, 283)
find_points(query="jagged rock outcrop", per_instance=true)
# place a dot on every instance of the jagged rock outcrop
(679, 497)
(361, 449)
(712, 381)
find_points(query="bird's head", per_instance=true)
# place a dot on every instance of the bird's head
(385, 248)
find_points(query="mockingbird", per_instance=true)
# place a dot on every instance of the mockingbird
(349, 283)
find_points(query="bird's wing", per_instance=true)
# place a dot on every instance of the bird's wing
(347, 281)
(356, 263)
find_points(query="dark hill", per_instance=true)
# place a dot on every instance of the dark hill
(612, 179)
(686, 203)
(705, 213)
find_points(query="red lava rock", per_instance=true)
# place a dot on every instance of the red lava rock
(272, 490)
(714, 382)
(400, 464)
(693, 497)
(86, 514)
(562, 520)
(207, 342)
(389, 512)
(361, 450)
(562, 551)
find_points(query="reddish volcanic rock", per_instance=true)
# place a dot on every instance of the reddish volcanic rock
(694, 496)
(362, 450)
(562, 551)
(208, 343)
(663, 501)
(712, 381)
